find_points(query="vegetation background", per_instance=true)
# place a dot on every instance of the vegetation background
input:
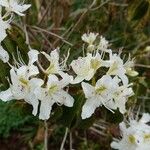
(53, 23)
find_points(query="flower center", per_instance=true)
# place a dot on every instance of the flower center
(51, 69)
(113, 68)
(147, 137)
(131, 139)
(52, 89)
(95, 64)
(23, 81)
(100, 89)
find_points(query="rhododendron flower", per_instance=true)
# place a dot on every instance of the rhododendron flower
(55, 66)
(53, 93)
(117, 68)
(103, 45)
(82, 67)
(86, 67)
(106, 92)
(135, 135)
(15, 6)
(90, 39)
(22, 84)
(128, 65)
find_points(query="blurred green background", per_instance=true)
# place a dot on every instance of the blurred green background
(53, 23)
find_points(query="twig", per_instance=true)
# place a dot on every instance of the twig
(99, 126)
(40, 67)
(84, 13)
(70, 135)
(144, 97)
(98, 131)
(51, 33)
(118, 4)
(64, 139)
(93, 9)
(45, 13)
(81, 17)
(142, 66)
(46, 136)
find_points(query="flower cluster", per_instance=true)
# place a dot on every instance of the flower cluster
(11, 7)
(135, 134)
(112, 88)
(26, 85)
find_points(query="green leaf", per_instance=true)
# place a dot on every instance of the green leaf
(140, 10)
(70, 115)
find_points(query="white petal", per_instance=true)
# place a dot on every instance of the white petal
(4, 56)
(89, 108)
(105, 80)
(52, 79)
(88, 89)
(63, 97)
(27, 71)
(66, 79)
(54, 55)
(22, 71)
(36, 82)
(90, 74)
(24, 7)
(14, 6)
(145, 118)
(45, 109)
(13, 76)
(32, 70)
(78, 79)
(4, 3)
(121, 104)
(31, 99)
(33, 56)
(6, 95)
(115, 145)
(124, 79)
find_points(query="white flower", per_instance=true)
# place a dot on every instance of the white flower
(117, 68)
(106, 92)
(128, 65)
(33, 56)
(90, 39)
(22, 87)
(86, 67)
(55, 67)
(135, 135)
(53, 93)
(120, 96)
(96, 96)
(15, 6)
(23, 84)
(103, 45)
(82, 67)
(4, 56)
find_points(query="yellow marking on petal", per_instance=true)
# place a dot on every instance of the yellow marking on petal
(112, 69)
(147, 136)
(23, 81)
(51, 69)
(100, 89)
(95, 64)
(52, 89)
(131, 139)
